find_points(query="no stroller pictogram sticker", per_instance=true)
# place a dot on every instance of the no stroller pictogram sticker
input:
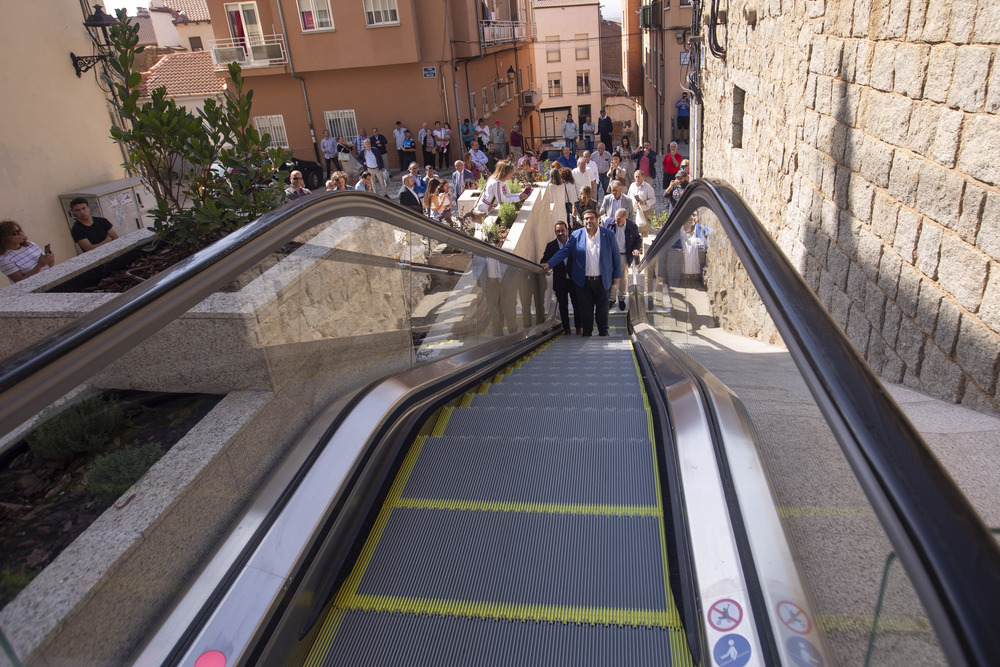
(794, 618)
(725, 614)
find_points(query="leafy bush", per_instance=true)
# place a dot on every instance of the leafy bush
(491, 233)
(88, 426)
(507, 214)
(481, 183)
(11, 583)
(113, 474)
(515, 185)
(658, 219)
(210, 174)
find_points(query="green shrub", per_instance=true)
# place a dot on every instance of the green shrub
(113, 474)
(657, 219)
(87, 426)
(515, 185)
(481, 183)
(491, 233)
(12, 582)
(507, 214)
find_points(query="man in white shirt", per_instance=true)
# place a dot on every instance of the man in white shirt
(329, 147)
(399, 134)
(583, 173)
(372, 159)
(602, 159)
(642, 193)
(478, 158)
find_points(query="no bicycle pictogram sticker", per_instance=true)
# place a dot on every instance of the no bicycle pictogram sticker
(794, 618)
(725, 614)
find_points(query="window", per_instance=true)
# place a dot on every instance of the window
(315, 14)
(341, 123)
(486, 103)
(552, 54)
(739, 100)
(472, 106)
(582, 46)
(381, 12)
(273, 125)
(685, 3)
(493, 91)
(583, 83)
(555, 84)
(195, 43)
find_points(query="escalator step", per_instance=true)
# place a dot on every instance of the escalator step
(390, 640)
(581, 474)
(549, 422)
(606, 565)
(568, 401)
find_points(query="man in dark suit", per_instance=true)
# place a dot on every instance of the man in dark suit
(596, 269)
(562, 285)
(409, 198)
(629, 245)
(605, 127)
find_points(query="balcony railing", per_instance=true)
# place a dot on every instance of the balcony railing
(249, 52)
(501, 32)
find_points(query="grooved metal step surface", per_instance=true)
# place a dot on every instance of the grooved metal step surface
(525, 529)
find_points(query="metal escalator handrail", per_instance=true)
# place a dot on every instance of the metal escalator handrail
(949, 554)
(34, 377)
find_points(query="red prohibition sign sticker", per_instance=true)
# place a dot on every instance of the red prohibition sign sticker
(794, 618)
(725, 614)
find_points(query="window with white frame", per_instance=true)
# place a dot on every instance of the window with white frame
(555, 84)
(273, 125)
(552, 54)
(381, 12)
(315, 15)
(486, 103)
(493, 91)
(583, 82)
(582, 46)
(341, 123)
(472, 105)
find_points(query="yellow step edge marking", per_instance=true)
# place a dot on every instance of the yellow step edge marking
(441, 423)
(529, 508)
(466, 401)
(350, 586)
(512, 611)
(319, 651)
(897, 624)
(680, 654)
(682, 646)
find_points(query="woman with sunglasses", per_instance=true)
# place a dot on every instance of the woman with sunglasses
(20, 257)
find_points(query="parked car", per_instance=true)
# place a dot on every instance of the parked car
(312, 172)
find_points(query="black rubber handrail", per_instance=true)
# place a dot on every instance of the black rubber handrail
(949, 554)
(34, 377)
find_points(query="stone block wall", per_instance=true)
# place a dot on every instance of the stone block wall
(869, 149)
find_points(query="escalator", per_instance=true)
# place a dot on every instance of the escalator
(529, 514)
(530, 498)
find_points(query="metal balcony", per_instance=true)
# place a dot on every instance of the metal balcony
(492, 33)
(249, 52)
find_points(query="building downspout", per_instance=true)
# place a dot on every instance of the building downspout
(305, 93)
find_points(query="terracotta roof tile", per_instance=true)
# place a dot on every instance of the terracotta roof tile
(194, 10)
(147, 35)
(184, 74)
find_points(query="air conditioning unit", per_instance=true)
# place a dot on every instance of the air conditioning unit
(530, 98)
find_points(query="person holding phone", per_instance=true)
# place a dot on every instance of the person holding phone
(19, 257)
(89, 232)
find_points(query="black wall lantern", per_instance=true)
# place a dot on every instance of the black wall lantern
(97, 25)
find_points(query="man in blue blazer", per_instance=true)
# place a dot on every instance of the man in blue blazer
(597, 267)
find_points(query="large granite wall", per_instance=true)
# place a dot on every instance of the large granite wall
(870, 134)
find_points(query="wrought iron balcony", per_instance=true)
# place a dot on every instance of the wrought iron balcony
(492, 33)
(249, 52)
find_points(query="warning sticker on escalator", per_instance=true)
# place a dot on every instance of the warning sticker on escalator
(725, 614)
(793, 617)
(732, 650)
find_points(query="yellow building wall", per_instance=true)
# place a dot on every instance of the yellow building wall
(54, 127)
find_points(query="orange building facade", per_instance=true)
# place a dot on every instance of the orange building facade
(342, 65)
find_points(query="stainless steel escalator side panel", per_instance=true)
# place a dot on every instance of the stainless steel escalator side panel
(789, 609)
(719, 573)
(247, 603)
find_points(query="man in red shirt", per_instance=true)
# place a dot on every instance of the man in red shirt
(672, 163)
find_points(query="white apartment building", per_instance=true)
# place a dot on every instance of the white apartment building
(568, 59)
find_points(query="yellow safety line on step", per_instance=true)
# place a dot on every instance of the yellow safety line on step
(529, 508)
